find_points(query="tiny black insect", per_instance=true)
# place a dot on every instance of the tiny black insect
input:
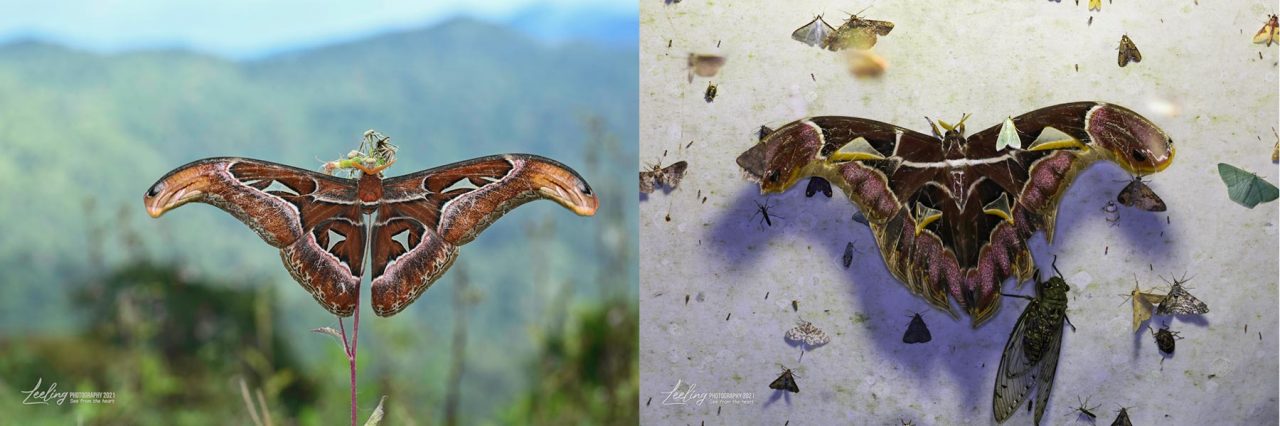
(686, 299)
(786, 382)
(763, 211)
(1085, 410)
(795, 305)
(917, 331)
(646, 404)
(766, 295)
(711, 92)
(726, 317)
(816, 185)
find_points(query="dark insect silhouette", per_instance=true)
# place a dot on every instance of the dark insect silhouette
(816, 185)
(786, 381)
(917, 331)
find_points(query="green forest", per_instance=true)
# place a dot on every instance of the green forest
(173, 314)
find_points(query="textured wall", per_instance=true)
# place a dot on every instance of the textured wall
(1201, 80)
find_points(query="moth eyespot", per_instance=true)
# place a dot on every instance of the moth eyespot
(1138, 155)
(155, 190)
(774, 176)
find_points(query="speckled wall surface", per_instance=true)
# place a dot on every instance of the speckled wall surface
(1201, 80)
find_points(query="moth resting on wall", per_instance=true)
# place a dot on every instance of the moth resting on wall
(318, 221)
(951, 213)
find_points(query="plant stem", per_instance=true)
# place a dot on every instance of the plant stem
(350, 347)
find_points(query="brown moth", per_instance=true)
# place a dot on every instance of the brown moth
(318, 221)
(1122, 419)
(857, 33)
(658, 176)
(704, 65)
(1180, 302)
(816, 185)
(1138, 194)
(1128, 51)
(787, 382)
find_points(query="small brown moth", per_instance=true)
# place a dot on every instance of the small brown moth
(805, 332)
(1138, 194)
(787, 382)
(857, 33)
(814, 33)
(704, 65)
(1180, 302)
(1270, 32)
(668, 177)
(711, 92)
(1128, 51)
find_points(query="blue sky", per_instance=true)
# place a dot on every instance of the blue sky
(248, 28)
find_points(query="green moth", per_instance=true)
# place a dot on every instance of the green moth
(1008, 136)
(1245, 188)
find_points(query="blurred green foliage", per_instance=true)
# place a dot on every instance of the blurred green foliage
(170, 313)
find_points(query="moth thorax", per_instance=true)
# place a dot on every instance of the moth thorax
(369, 188)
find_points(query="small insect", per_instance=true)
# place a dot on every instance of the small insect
(805, 332)
(1084, 410)
(1128, 51)
(704, 65)
(795, 305)
(668, 177)
(1245, 188)
(1008, 135)
(1095, 5)
(848, 254)
(815, 33)
(1090, 20)
(1077, 67)
(766, 295)
(1165, 339)
(726, 317)
(668, 43)
(711, 92)
(1142, 304)
(1030, 357)
(1112, 213)
(686, 146)
(763, 211)
(860, 218)
(1180, 302)
(857, 33)
(786, 381)
(650, 401)
(917, 331)
(1270, 32)
(717, 43)
(1106, 250)
(816, 185)
(1122, 419)
(811, 77)
(1138, 194)
(686, 300)
(718, 410)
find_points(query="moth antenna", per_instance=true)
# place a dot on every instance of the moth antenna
(1055, 267)
(934, 126)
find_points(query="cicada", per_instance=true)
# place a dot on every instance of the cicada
(1030, 356)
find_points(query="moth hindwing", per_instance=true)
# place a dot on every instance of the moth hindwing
(1030, 357)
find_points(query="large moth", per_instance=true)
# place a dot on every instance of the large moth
(318, 221)
(950, 213)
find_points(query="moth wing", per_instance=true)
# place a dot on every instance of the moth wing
(423, 217)
(881, 27)
(673, 174)
(647, 181)
(1095, 4)
(313, 218)
(1138, 194)
(1013, 384)
(814, 33)
(1180, 302)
